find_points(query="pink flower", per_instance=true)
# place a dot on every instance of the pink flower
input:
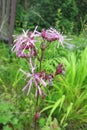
(25, 44)
(52, 35)
(34, 79)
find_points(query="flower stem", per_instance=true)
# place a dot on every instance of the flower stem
(35, 120)
(41, 58)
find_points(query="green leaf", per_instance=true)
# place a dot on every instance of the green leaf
(57, 103)
(5, 117)
(46, 108)
(69, 109)
(6, 128)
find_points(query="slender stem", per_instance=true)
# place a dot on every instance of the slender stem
(43, 47)
(35, 125)
(40, 60)
(42, 54)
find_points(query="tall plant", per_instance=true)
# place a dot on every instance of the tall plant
(26, 47)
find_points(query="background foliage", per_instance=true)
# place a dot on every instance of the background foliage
(68, 16)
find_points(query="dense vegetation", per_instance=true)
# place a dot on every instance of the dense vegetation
(64, 105)
(66, 15)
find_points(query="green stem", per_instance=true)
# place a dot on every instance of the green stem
(41, 58)
(35, 121)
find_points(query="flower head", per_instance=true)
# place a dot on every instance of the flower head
(52, 35)
(36, 80)
(25, 44)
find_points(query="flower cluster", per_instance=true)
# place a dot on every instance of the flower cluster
(40, 79)
(25, 47)
(25, 44)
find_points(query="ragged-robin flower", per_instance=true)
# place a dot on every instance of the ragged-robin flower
(34, 80)
(52, 35)
(25, 44)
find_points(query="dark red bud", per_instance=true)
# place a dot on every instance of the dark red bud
(60, 69)
(43, 94)
(42, 46)
(37, 115)
(35, 52)
(43, 33)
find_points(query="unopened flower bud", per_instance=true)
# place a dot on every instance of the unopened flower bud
(37, 115)
(43, 94)
(35, 52)
(42, 46)
(60, 69)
